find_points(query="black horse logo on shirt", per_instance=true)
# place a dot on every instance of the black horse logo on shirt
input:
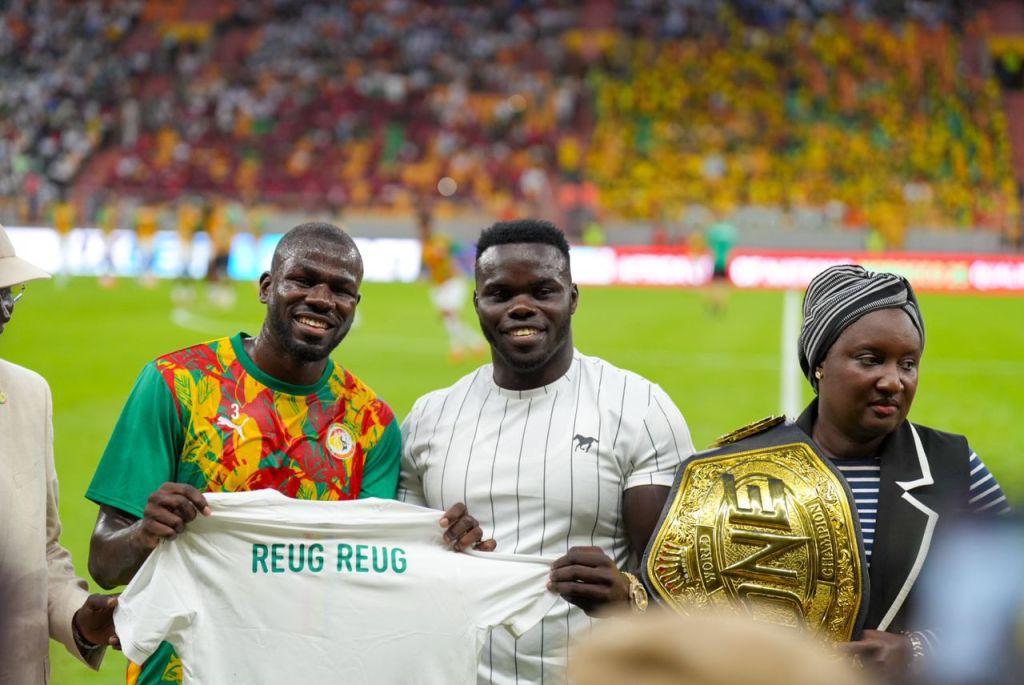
(583, 442)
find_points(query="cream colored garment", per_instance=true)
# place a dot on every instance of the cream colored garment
(39, 591)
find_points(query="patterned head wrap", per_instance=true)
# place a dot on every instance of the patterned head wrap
(840, 295)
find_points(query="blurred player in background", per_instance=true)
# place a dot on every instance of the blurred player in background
(63, 217)
(448, 288)
(147, 221)
(108, 215)
(720, 238)
(189, 217)
(222, 220)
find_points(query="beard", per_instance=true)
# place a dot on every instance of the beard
(534, 361)
(299, 350)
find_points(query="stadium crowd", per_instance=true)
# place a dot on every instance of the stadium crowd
(635, 109)
(62, 89)
(880, 125)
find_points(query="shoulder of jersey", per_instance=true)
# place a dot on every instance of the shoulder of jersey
(441, 392)
(196, 356)
(635, 380)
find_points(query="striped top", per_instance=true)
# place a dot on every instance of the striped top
(863, 477)
(543, 470)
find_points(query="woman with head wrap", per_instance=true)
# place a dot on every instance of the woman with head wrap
(860, 348)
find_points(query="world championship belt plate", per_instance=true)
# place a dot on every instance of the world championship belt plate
(762, 525)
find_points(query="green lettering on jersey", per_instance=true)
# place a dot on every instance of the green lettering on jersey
(259, 558)
(398, 562)
(277, 558)
(361, 558)
(344, 556)
(316, 557)
(371, 558)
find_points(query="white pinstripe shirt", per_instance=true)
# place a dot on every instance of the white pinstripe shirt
(543, 470)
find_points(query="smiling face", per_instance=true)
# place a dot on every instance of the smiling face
(525, 300)
(869, 378)
(311, 296)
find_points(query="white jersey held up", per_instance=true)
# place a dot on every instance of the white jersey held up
(543, 470)
(270, 589)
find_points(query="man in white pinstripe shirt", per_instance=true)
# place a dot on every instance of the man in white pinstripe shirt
(555, 453)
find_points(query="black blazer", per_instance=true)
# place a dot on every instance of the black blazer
(924, 486)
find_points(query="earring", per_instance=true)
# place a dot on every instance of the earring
(818, 374)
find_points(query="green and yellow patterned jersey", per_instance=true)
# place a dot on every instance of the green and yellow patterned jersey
(208, 416)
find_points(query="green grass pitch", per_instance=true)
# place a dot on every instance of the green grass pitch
(722, 371)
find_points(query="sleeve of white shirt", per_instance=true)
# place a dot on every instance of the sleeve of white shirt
(410, 480)
(662, 444)
(153, 607)
(509, 590)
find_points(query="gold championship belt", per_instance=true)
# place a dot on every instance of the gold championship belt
(762, 525)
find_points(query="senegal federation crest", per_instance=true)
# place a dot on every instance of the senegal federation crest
(340, 442)
(767, 532)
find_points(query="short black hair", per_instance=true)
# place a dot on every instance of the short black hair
(314, 231)
(522, 231)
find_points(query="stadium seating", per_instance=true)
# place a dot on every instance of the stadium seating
(631, 109)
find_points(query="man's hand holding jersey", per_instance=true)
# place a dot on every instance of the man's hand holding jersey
(585, 576)
(94, 621)
(463, 531)
(588, 578)
(167, 512)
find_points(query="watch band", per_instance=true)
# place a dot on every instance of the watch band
(84, 646)
(637, 593)
(917, 645)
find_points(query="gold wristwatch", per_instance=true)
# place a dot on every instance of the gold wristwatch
(637, 593)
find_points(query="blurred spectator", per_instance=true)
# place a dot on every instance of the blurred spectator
(844, 111)
(60, 88)
(981, 629)
(857, 110)
(662, 648)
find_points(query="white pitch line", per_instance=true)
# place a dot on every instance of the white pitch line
(190, 321)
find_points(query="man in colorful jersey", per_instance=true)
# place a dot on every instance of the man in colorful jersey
(249, 413)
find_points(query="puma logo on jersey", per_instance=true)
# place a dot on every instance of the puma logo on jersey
(224, 422)
(583, 443)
